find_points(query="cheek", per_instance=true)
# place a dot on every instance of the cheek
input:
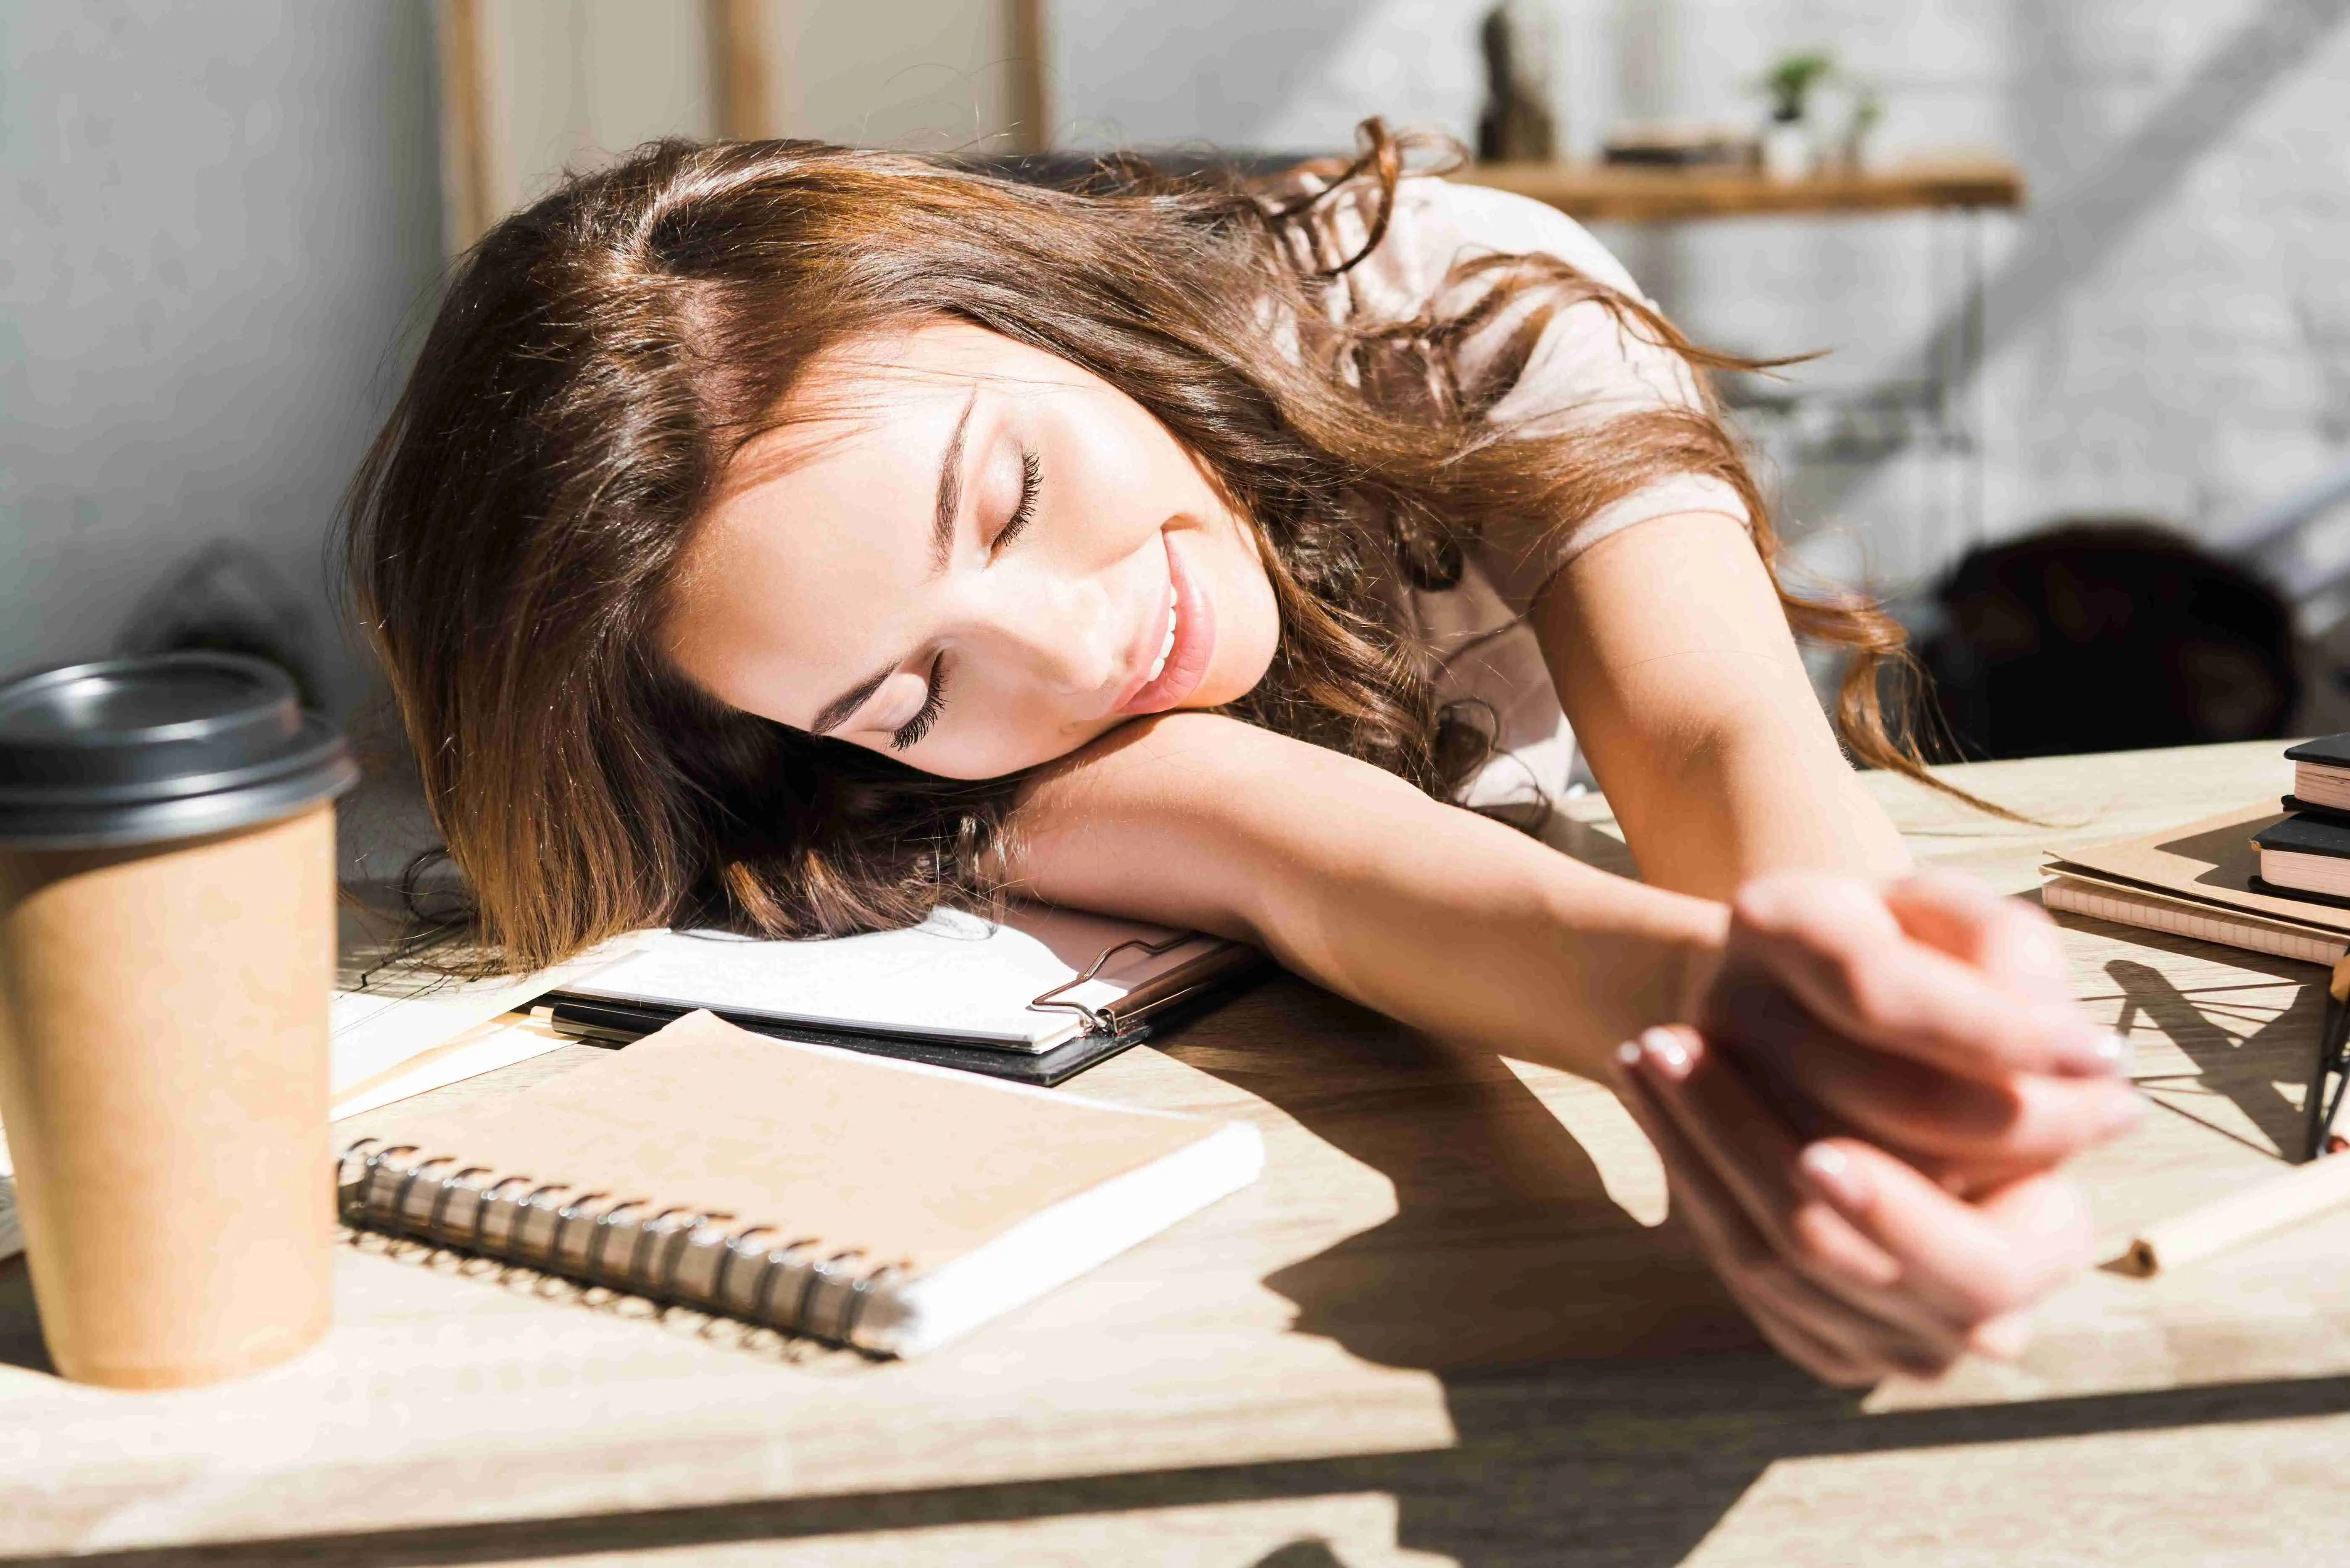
(1248, 621)
(1000, 740)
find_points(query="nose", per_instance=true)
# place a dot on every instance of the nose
(1065, 634)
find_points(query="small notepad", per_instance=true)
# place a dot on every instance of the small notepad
(882, 1204)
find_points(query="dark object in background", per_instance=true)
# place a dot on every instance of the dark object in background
(1516, 126)
(225, 597)
(2107, 636)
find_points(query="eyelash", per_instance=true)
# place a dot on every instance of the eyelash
(908, 736)
(1032, 480)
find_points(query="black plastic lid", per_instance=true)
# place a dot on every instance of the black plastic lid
(135, 750)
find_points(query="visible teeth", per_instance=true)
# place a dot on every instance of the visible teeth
(1166, 647)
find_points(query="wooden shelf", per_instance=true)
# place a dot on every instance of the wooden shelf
(1636, 193)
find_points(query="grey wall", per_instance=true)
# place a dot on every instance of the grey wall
(1285, 75)
(216, 217)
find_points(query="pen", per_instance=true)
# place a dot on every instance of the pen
(2302, 1193)
(608, 1025)
(2333, 1024)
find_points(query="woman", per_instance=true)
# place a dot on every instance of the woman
(801, 537)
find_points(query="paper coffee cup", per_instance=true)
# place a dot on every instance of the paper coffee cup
(166, 954)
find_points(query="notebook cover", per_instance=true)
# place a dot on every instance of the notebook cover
(911, 1164)
(2211, 861)
(2329, 751)
(1042, 1068)
(2299, 834)
(2263, 885)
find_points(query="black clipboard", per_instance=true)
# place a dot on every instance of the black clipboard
(1148, 1011)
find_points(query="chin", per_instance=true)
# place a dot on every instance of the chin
(1250, 653)
(1247, 672)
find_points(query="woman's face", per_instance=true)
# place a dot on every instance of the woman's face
(971, 555)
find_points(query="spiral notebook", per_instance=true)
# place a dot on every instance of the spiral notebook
(887, 1205)
(2198, 879)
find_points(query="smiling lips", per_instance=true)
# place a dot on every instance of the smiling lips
(1187, 642)
(1168, 646)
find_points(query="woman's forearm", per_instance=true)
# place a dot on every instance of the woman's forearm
(1433, 915)
(1671, 649)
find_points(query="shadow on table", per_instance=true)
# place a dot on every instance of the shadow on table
(1608, 1406)
(2241, 1064)
(20, 1325)
(1505, 1247)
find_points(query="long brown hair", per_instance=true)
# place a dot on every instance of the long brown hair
(600, 357)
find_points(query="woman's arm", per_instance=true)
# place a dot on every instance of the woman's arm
(1672, 659)
(1432, 914)
(1458, 925)
(1465, 928)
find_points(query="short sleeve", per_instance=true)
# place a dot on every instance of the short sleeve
(1588, 368)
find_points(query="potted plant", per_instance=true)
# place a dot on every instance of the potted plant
(1789, 151)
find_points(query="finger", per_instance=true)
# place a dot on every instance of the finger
(1822, 1357)
(1936, 1119)
(1737, 1251)
(1703, 1096)
(1836, 945)
(1750, 1158)
(1977, 1261)
(2002, 1338)
(1864, 1349)
(2012, 941)
(1837, 1341)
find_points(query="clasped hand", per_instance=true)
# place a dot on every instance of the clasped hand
(1862, 1119)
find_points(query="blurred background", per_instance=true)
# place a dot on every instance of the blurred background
(227, 221)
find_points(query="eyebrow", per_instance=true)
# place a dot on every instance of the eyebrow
(943, 533)
(951, 490)
(837, 710)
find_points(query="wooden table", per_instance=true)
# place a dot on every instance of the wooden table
(1443, 1328)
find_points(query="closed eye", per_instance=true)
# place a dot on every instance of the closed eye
(1032, 481)
(908, 736)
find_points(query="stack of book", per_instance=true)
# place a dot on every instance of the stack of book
(2269, 880)
(2308, 852)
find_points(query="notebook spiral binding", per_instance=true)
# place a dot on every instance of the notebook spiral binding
(662, 1254)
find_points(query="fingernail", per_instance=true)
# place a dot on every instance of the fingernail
(2002, 1338)
(2119, 1054)
(1831, 1171)
(1666, 1049)
(2103, 1054)
(1627, 1054)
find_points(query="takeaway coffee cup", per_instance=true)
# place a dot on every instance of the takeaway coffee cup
(167, 937)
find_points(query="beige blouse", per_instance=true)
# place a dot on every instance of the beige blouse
(1586, 369)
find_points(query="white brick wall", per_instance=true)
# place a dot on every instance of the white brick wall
(2169, 324)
